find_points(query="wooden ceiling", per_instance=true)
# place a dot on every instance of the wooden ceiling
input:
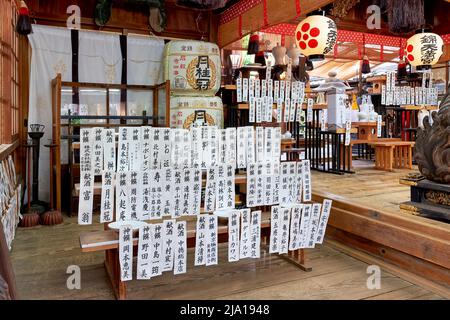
(436, 15)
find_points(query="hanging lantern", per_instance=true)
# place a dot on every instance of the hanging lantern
(23, 26)
(424, 49)
(316, 36)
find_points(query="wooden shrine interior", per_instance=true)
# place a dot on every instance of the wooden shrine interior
(366, 222)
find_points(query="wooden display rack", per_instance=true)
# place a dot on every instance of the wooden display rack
(57, 124)
(108, 241)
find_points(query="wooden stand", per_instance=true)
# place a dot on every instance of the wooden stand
(392, 154)
(108, 241)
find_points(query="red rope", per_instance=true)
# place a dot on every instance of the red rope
(240, 26)
(266, 18)
(297, 8)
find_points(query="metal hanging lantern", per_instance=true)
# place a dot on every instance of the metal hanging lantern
(424, 49)
(316, 36)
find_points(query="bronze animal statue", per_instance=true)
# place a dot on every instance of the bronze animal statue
(157, 12)
(432, 149)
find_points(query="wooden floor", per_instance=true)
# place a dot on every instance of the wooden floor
(369, 187)
(42, 254)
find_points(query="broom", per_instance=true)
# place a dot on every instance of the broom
(23, 25)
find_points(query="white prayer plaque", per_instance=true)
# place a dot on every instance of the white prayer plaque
(146, 149)
(168, 240)
(109, 150)
(304, 224)
(245, 89)
(284, 184)
(307, 193)
(231, 146)
(259, 184)
(166, 149)
(313, 225)
(268, 144)
(294, 238)
(288, 90)
(222, 146)
(379, 125)
(241, 147)
(269, 109)
(276, 182)
(255, 234)
(233, 235)
(252, 110)
(279, 111)
(274, 230)
(257, 88)
(299, 181)
(97, 149)
(239, 90)
(285, 216)
(180, 248)
(107, 201)
(123, 210)
(251, 185)
(156, 251)
(259, 144)
(268, 183)
(263, 88)
(144, 262)
(251, 157)
(348, 128)
(269, 87)
(157, 143)
(292, 110)
(259, 111)
(276, 145)
(323, 221)
(196, 191)
(245, 249)
(126, 253)
(309, 110)
(86, 153)
(287, 108)
(276, 92)
(168, 204)
(251, 88)
(282, 88)
(211, 241)
(123, 149)
(86, 198)
(177, 193)
(197, 145)
(186, 202)
(210, 190)
(200, 240)
(135, 148)
(133, 195)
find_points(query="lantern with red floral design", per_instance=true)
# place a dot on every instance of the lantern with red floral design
(424, 49)
(316, 36)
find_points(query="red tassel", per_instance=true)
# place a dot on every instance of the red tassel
(365, 68)
(23, 26)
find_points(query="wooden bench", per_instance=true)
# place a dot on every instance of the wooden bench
(108, 241)
(392, 154)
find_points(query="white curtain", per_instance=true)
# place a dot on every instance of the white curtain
(51, 54)
(144, 67)
(100, 61)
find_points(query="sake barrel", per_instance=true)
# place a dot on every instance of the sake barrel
(193, 67)
(188, 111)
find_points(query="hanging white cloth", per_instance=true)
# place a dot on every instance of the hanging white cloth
(144, 67)
(51, 54)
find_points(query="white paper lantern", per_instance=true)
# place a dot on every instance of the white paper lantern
(316, 36)
(424, 50)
